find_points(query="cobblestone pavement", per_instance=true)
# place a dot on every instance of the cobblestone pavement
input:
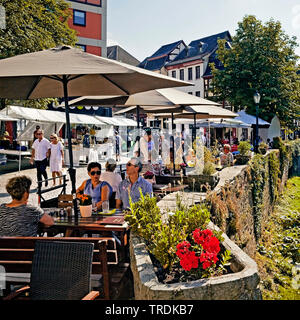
(81, 174)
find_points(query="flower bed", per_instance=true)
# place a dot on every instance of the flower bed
(241, 283)
(188, 251)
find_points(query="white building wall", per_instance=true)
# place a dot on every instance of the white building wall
(198, 83)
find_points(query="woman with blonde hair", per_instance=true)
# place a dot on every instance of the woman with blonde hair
(56, 154)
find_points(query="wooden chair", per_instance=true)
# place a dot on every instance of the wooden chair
(65, 200)
(22, 256)
(61, 271)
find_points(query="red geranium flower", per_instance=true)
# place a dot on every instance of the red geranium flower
(208, 253)
(182, 248)
(189, 260)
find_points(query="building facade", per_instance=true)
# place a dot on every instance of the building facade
(189, 63)
(160, 58)
(89, 19)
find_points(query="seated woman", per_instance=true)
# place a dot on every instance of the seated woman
(226, 156)
(98, 190)
(17, 218)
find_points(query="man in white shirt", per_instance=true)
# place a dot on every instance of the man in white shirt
(40, 149)
(110, 176)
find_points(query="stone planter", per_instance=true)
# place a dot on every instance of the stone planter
(242, 284)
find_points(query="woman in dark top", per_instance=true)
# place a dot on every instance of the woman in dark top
(17, 218)
(98, 190)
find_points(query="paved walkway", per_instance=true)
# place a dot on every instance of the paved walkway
(169, 202)
(81, 174)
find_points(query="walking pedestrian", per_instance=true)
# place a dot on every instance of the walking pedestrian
(56, 155)
(39, 154)
(35, 132)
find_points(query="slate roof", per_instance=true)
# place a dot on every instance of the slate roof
(160, 57)
(212, 59)
(200, 48)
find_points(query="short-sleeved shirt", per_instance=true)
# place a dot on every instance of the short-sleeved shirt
(114, 179)
(95, 193)
(41, 148)
(21, 221)
(126, 187)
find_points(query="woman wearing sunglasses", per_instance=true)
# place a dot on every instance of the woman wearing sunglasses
(98, 190)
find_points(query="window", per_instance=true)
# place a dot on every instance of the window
(174, 74)
(190, 93)
(198, 72)
(181, 74)
(198, 93)
(79, 18)
(190, 73)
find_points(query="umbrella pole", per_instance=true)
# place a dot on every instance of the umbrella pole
(72, 171)
(173, 145)
(138, 127)
(194, 130)
(20, 158)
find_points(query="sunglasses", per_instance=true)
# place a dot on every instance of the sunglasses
(52, 138)
(95, 172)
(129, 164)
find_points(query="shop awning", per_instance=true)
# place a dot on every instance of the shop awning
(248, 118)
(3, 117)
(117, 121)
(40, 115)
(216, 123)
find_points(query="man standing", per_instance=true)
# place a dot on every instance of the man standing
(132, 184)
(40, 149)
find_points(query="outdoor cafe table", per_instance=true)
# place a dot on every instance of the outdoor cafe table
(98, 223)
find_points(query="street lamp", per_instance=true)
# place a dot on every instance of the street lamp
(256, 98)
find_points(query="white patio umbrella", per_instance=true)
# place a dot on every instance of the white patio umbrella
(65, 72)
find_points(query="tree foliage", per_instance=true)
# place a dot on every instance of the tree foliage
(34, 25)
(263, 59)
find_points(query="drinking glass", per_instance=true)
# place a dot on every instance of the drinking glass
(105, 206)
(94, 207)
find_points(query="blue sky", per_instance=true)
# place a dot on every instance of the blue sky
(142, 26)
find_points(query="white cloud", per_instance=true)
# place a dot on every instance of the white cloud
(296, 17)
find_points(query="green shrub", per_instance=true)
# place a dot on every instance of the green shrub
(162, 237)
(244, 148)
(209, 162)
(262, 148)
(209, 168)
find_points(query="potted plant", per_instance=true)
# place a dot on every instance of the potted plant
(262, 148)
(244, 155)
(85, 204)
